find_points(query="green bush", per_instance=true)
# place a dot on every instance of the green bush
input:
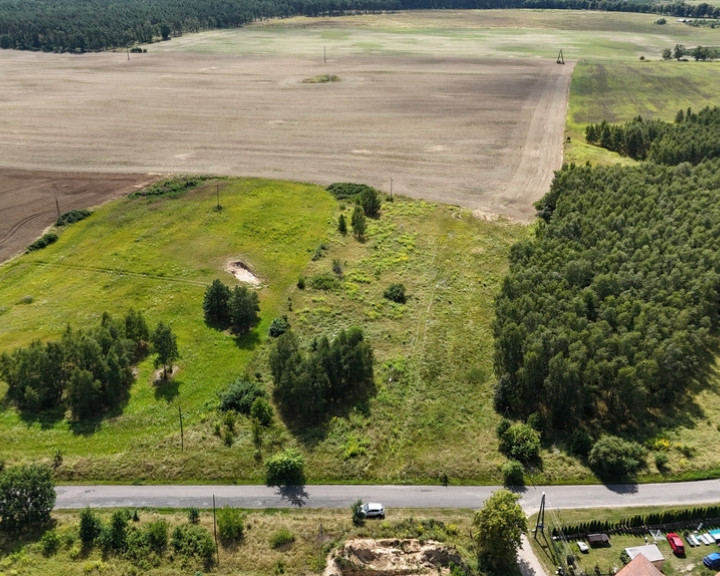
(301, 283)
(661, 461)
(613, 457)
(285, 469)
(193, 515)
(520, 442)
(43, 241)
(324, 282)
(279, 326)
(513, 473)
(396, 293)
(194, 541)
(358, 518)
(240, 395)
(90, 527)
(281, 538)
(50, 542)
(157, 535)
(230, 525)
(262, 412)
(170, 188)
(72, 217)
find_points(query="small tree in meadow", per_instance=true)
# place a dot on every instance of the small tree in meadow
(358, 223)
(165, 344)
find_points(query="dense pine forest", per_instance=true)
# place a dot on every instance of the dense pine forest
(91, 25)
(608, 319)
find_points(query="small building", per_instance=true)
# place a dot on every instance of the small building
(650, 552)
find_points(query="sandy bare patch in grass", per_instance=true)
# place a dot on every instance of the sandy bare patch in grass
(241, 272)
(482, 133)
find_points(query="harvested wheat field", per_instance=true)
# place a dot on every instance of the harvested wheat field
(482, 133)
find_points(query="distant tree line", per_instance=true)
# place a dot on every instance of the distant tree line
(91, 25)
(606, 319)
(330, 377)
(693, 137)
(88, 371)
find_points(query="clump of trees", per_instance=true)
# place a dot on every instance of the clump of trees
(237, 308)
(605, 322)
(87, 371)
(286, 468)
(328, 378)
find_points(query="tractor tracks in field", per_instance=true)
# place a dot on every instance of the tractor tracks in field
(121, 272)
(20, 223)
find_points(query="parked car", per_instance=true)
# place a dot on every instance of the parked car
(373, 510)
(712, 560)
(676, 543)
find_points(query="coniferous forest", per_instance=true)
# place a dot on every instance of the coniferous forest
(79, 26)
(608, 319)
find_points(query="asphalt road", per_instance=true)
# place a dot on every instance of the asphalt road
(557, 497)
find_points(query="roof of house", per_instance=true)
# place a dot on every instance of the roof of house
(640, 566)
(650, 551)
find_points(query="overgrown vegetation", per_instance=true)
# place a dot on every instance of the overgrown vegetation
(170, 188)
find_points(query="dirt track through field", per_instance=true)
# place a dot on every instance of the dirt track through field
(482, 133)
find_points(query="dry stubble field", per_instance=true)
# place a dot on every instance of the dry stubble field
(482, 133)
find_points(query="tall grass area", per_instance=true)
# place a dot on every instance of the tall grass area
(621, 91)
(315, 532)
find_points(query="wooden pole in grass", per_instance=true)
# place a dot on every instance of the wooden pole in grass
(217, 190)
(57, 207)
(217, 548)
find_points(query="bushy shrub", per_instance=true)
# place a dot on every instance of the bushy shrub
(613, 457)
(157, 535)
(262, 412)
(301, 283)
(90, 527)
(661, 461)
(324, 282)
(193, 515)
(580, 442)
(281, 538)
(72, 217)
(194, 541)
(520, 442)
(230, 525)
(285, 469)
(279, 326)
(396, 293)
(50, 542)
(240, 396)
(43, 241)
(358, 518)
(113, 538)
(513, 473)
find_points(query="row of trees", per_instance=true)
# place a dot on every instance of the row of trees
(698, 53)
(91, 25)
(87, 371)
(606, 318)
(693, 137)
(330, 377)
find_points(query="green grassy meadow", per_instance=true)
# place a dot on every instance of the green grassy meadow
(158, 256)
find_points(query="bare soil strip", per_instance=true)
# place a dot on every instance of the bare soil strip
(482, 133)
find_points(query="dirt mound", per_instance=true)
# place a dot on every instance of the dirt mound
(391, 557)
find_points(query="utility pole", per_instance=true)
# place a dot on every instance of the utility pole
(391, 188)
(182, 437)
(217, 549)
(540, 524)
(217, 189)
(57, 207)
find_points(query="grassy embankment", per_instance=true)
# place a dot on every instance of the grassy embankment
(433, 411)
